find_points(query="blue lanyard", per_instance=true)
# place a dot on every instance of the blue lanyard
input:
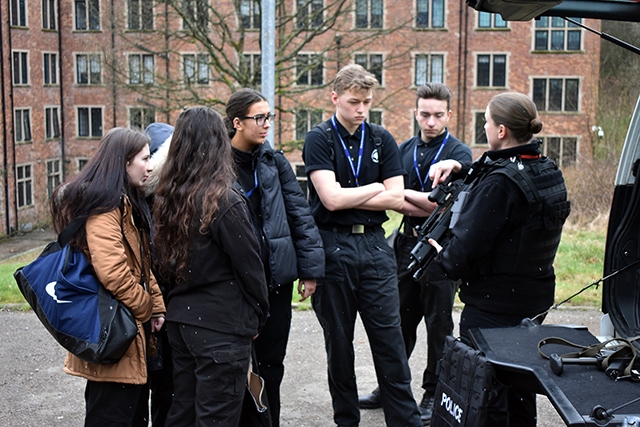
(255, 180)
(356, 170)
(435, 160)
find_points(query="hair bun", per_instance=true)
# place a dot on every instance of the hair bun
(535, 125)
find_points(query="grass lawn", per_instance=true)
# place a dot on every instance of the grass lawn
(578, 264)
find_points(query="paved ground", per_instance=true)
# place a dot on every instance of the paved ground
(35, 392)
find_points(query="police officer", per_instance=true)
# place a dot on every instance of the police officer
(432, 297)
(507, 235)
(355, 175)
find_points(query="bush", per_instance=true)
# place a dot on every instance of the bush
(590, 188)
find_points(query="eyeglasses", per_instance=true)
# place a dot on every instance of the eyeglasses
(260, 120)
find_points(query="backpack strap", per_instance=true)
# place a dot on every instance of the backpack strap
(70, 230)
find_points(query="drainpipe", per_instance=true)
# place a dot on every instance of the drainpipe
(11, 164)
(5, 158)
(113, 65)
(61, 91)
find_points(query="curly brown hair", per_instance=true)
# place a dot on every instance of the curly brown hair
(198, 172)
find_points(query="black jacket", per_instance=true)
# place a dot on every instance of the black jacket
(289, 232)
(225, 289)
(499, 246)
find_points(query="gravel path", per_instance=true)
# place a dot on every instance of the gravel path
(35, 392)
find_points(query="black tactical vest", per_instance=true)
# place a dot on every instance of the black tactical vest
(548, 208)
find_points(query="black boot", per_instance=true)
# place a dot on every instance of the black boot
(426, 409)
(371, 400)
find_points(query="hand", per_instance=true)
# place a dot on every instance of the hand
(441, 170)
(306, 288)
(435, 245)
(156, 323)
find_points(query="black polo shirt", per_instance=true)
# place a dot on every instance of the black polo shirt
(425, 154)
(379, 162)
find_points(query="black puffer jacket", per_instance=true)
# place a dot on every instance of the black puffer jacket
(288, 230)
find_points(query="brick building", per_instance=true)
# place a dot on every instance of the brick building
(73, 69)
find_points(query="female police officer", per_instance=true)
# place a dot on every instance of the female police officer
(506, 237)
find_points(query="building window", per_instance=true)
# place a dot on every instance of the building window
(371, 63)
(556, 94)
(22, 125)
(369, 13)
(429, 13)
(140, 14)
(491, 21)
(196, 13)
(305, 121)
(140, 118)
(301, 177)
(557, 34)
(24, 185)
(50, 69)
(90, 121)
(19, 13)
(429, 68)
(20, 68)
(88, 69)
(49, 15)
(310, 70)
(87, 15)
(54, 175)
(141, 69)
(375, 117)
(492, 71)
(562, 150)
(309, 13)
(480, 137)
(196, 68)
(51, 122)
(250, 14)
(252, 66)
(82, 162)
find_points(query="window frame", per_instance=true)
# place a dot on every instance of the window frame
(568, 28)
(147, 116)
(492, 70)
(50, 69)
(54, 175)
(309, 14)
(140, 16)
(379, 74)
(480, 137)
(22, 125)
(24, 185)
(550, 98)
(310, 116)
(87, 18)
(373, 22)
(49, 15)
(90, 60)
(145, 74)
(200, 62)
(253, 63)
(493, 25)
(313, 75)
(562, 160)
(19, 13)
(251, 20)
(20, 68)
(428, 73)
(91, 133)
(52, 122)
(426, 19)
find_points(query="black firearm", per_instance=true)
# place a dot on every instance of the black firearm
(445, 195)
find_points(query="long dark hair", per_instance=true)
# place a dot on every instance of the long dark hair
(238, 105)
(198, 172)
(99, 187)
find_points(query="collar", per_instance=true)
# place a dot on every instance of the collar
(529, 149)
(434, 142)
(344, 133)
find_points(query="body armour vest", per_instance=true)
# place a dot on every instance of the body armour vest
(534, 252)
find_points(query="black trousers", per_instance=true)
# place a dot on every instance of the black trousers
(271, 346)
(511, 407)
(209, 376)
(110, 404)
(431, 299)
(361, 278)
